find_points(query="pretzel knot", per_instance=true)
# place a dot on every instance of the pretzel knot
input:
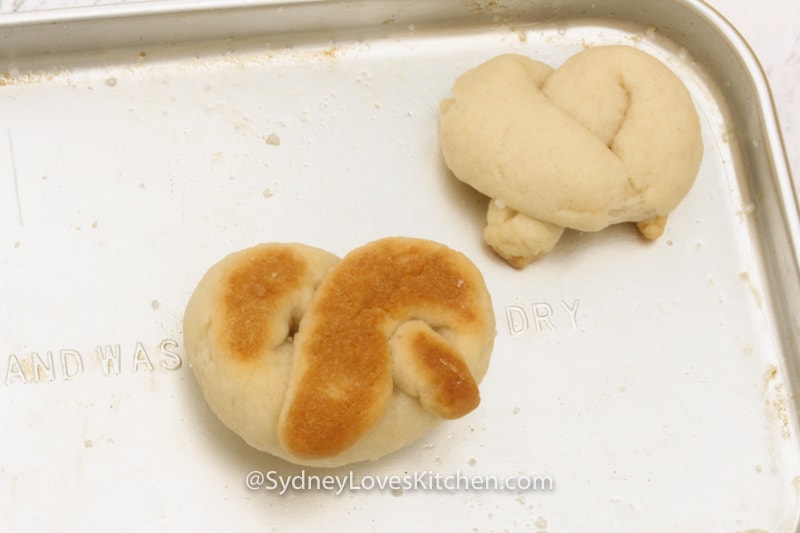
(326, 362)
(611, 136)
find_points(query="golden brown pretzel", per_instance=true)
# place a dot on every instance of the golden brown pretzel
(328, 362)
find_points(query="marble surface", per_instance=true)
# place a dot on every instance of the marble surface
(769, 26)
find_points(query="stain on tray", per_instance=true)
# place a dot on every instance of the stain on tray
(776, 401)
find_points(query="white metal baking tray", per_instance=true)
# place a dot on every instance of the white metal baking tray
(653, 384)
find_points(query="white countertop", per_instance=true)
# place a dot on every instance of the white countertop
(770, 26)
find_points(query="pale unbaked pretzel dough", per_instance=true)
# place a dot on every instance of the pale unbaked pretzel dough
(325, 362)
(610, 136)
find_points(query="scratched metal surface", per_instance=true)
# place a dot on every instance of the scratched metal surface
(653, 383)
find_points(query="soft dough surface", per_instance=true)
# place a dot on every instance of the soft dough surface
(610, 136)
(325, 362)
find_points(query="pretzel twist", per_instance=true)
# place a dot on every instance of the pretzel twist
(326, 362)
(610, 136)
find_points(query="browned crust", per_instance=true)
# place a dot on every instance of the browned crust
(260, 282)
(452, 391)
(345, 380)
